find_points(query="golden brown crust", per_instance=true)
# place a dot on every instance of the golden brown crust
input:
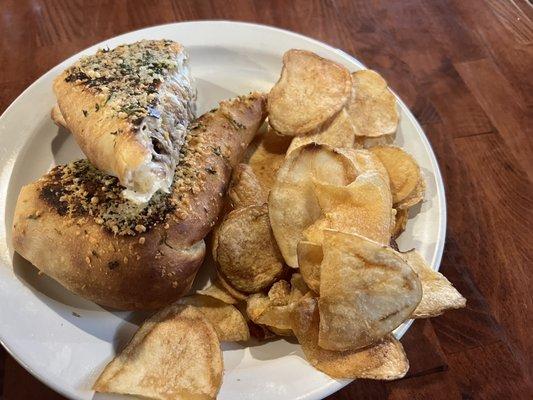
(138, 270)
(98, 142)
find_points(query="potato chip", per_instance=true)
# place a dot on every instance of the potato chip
(274, 310)
(438, 294)
(309, 93)
(415, 197)
(217, 291)
(363, 142)
(228, 322)
(339, 134)
(267, 155)
(239, 296)
(175, 354)
(309, 259)
(384, 360)
(275, 317)
(279, 294)
(245, 250)
(366, 291)
(245, 189)
(400, 222)
(292, 204)
(404, 173)
(372, 109)
(363, 207)
(298, 288)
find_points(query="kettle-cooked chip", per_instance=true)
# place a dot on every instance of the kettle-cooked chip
(404, 173)
(228, 322)
(175, 354)
(438, 294)
(310, 257)
(218, 291)
(383, 360)
(400, 222)
(339, 134)
(246, 251)
(366, 291)
(274, 310)
(372, 109)
(267, 153)
(363, 207)
(310, 92)
(292, 204)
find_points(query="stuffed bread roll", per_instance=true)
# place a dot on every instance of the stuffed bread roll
(74, 225)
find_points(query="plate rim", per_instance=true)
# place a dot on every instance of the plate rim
(334, 385)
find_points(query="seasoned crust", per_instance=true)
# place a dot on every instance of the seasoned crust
(151, 258)
(129, 108)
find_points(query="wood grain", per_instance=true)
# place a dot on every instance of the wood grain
(464, 68)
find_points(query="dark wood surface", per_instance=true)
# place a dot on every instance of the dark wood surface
(465, 68)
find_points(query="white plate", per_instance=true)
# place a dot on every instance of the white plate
(64, 340)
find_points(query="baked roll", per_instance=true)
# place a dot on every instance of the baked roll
(74, 224)
(129, 109)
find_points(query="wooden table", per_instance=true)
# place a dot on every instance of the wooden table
(465, 68)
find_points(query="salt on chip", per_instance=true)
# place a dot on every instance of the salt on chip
(438, 294)
(384, 360)
(292, 204)
(372, 109)
(228, 322)
(175, 354)
(404, 173)
(366, 291)
(310, 257)
(309, 93)
(246, 251)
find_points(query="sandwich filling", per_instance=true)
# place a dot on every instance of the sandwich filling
(80, 191)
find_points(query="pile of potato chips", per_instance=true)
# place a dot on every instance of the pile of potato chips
(308, 248)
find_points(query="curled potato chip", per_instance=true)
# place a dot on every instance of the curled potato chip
(363, 207)
(292, 204)
(217, 291)
(310, 257)
(228, 322)
(363, 142)
(310, 92)
(274, 310)
(339, 134)
(384, 360)
(404, 173)
(298, 288)
(372, 109)
(438, 294)
(239, 296)
(245, 250)
(177, 342)
(245, 189)
(415, 197)
(366, 291)
(400, 222)
(267, 154)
